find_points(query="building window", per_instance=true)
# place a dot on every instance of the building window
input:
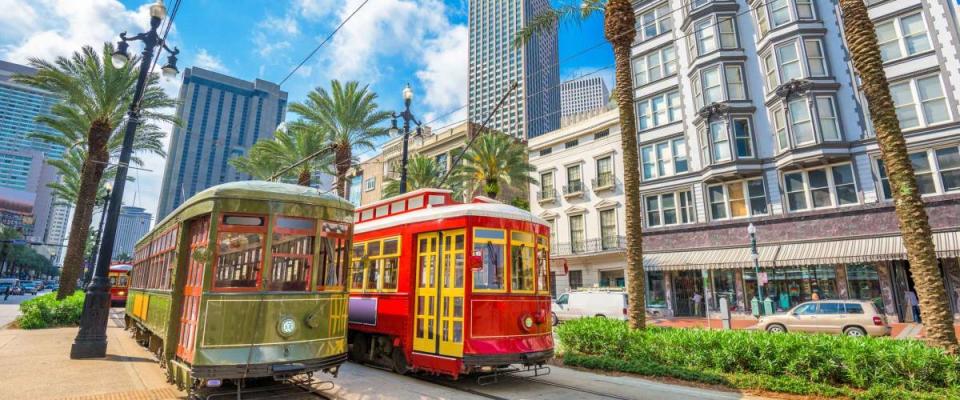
(902, 37)
(655, 65)
(741, 133)
(936, 170)
(712, 82)
(546, 151)
(602, 134)
(576, 279)
(658, 110)
(785, 64)
(670, 209)
(605, 172)
(712, 33)
(664, 159)
(794, 127)
(920, 102)
(574, 179)
(715, 140)
(821, 188)
(608, 229)
(739, 199)
(655, 22)
(370, 184)
(780, 12)
(578, 238)
(547, 188)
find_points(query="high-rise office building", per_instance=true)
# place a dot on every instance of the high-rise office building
(26, 202)
(134, 222)
(534, 108)
(222, 117)
(583, 95)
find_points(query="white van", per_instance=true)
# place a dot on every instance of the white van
(605, 303)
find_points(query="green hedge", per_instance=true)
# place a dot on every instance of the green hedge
(46, 312)
(796, 363)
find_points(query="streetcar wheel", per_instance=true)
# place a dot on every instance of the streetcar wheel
(361, 347)
(400, 362)
(553, 319)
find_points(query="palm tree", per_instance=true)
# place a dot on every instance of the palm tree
(95, 95)
(422, 172)
(288, 146)
(65, 190)
(913, 221)
(493, 162)
(620, 31)
(349, 115)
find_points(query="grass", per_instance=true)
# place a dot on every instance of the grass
(822, 365)
(46, 312)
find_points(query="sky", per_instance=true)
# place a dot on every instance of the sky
(386, 45)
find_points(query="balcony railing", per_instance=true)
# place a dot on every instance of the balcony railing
(590, 246)
(544, 196)
(604, 182)
(573, 188)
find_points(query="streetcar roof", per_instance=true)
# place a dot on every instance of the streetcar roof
(264, 191)
(482, 209)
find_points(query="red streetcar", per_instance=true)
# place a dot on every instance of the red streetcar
(119, 283)
(450, 288)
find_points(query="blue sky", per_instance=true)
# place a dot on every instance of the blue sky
(387, 44)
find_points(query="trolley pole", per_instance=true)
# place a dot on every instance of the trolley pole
(91, 340)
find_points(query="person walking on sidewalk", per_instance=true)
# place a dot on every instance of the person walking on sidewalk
(914, 304)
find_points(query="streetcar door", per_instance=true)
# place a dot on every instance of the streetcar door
(451, 293)
(424, 327)
(199, 238)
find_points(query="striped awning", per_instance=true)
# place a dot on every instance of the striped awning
(947, 244)
(738, 257)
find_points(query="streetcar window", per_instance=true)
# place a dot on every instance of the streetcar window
(521, 265)
(242, 220)
(490, 245)
(367, 215)
(383, 210)
(398, 206)
(415, 202)
(238, 260)
(434, 200)
(389, 264)
(356, 268)
(334, 262)
(543, 265)
(293, 244)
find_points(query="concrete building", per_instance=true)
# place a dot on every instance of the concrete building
(27, 201)
(580, 170)
(222, 117)
(776, 133)
(534, 108)
(134, 222)
(582, 95)
(442, 145)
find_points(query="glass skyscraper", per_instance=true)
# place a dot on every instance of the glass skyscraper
(222, 117)
(534, 108)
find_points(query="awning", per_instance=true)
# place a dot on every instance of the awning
(947, 244)
(738, 257)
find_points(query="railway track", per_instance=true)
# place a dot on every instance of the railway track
(519, 387)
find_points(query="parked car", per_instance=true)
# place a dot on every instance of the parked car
(849, 317)
(28, 287)
(53, 286)
(40, 285)
(12, 283)
(590, 303)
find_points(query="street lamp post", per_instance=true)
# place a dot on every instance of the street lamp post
(752, 230)
(407, 118)
(96, 246)
(91, 340)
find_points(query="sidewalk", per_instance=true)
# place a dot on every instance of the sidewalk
(35, 365)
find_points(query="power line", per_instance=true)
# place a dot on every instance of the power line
(330, 36)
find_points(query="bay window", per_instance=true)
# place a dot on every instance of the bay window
(712, 33)
(716, 137)
(784, 63)
(741, 133)
(821, 187)
(670, 208)
(815, 59)
(664, 159)
(794, 124)
(776, 13)
(655, 65)
(937, 171)
(719, 141)
(655, 22)
(920, 102)
(789, 62)
(746, 198)
(714, 80)
(658, 110)
(902, 37)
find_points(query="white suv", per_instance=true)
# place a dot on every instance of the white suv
(590, 303)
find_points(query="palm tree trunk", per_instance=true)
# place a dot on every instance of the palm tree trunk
(304, 178)
(911, 216)
(343, 157)
(90, 175)
(620, 31)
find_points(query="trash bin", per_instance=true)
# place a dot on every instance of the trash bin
(768, 306)
(755, 307)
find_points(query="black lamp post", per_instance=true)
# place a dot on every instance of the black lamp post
(752, 230)
(407, 118)
(91, 340)
(96, 245)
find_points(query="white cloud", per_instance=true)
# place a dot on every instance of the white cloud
(315, 8)
(444, 76)
(211, 62)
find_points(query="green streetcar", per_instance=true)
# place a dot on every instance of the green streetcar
(244, 280)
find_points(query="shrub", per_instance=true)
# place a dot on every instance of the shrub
(46, 312)
(796, 360)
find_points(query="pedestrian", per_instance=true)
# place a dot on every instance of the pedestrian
(6, 292)
(914, 304)
(697, 299)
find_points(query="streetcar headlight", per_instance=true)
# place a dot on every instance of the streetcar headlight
(287, 326)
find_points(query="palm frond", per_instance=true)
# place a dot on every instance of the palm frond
(552, 17)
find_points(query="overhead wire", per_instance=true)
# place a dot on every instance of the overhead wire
(330, 36)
